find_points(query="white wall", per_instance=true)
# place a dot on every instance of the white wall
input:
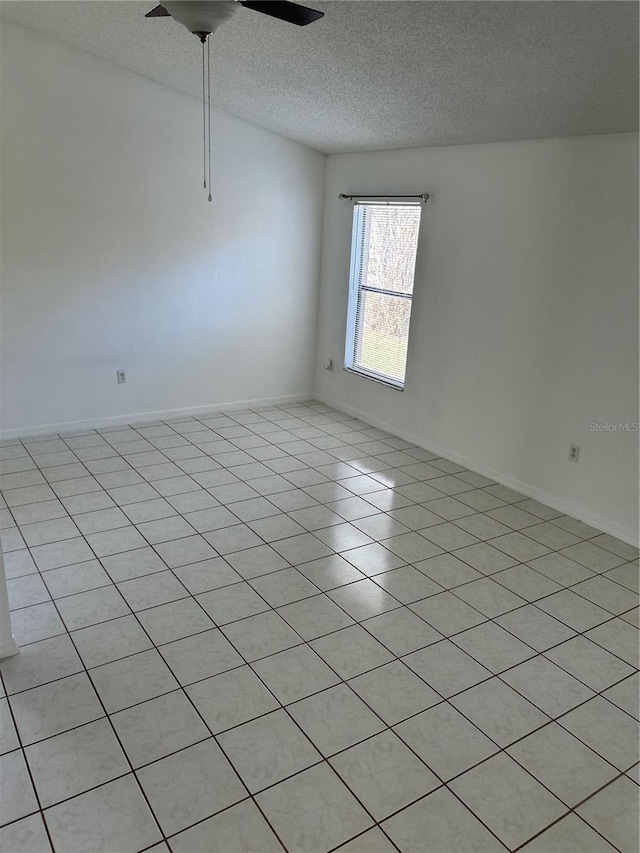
(525, 317)
(112, 258)
(525, 314)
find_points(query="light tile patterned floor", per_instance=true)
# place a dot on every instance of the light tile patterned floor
(284, 628)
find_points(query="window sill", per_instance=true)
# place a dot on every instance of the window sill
(381, 380)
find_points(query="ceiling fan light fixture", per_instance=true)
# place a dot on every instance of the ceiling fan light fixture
(202, 17)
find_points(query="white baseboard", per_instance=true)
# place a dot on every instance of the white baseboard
(141, 417)
(606, 525)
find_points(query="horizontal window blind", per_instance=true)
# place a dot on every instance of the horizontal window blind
(383, 260)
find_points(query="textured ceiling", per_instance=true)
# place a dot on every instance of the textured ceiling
(374, 75)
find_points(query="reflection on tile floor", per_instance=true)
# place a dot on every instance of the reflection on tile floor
(283, 628)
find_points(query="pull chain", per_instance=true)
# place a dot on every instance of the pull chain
(209, 109)
(204, 126)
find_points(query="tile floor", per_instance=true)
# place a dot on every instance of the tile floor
(283, 628)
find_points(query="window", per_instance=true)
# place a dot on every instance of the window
(383, 260)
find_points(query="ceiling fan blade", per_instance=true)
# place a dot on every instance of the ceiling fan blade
(293, 13)
(158, 12)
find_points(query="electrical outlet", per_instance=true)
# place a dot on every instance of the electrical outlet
(574, 452)
(121, 377)
(328, 365)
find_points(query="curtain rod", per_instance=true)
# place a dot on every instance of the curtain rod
(422, 196)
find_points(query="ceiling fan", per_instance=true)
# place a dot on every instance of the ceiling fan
(203, 18)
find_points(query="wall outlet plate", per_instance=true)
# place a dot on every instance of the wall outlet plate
(574, 452)
(121, 377)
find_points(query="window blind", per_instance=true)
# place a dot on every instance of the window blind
(383, 258)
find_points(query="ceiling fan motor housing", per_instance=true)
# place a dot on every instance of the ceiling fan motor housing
(201, 17)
